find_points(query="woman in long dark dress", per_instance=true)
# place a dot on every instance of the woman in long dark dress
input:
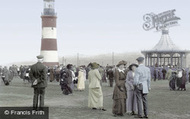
(119, 94)
(183, 81)
(179, 76)
(172, 81)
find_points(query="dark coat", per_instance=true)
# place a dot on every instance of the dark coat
(164, 71)
(69, 76)
(51, 74)
(6, 74)
(119, 93)
(110, 74)
(120, 89)
(38, 71)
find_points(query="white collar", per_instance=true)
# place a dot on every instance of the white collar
(121, 70)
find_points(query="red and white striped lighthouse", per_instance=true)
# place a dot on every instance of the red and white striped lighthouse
(49, 34)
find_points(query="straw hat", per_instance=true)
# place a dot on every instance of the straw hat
(94, 65)
(122, 63)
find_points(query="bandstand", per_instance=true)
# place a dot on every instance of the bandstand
(165, 53)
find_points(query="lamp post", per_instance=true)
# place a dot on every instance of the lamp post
(112, 58)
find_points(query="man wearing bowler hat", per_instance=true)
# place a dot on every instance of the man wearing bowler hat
(142, 82)
(39, 82)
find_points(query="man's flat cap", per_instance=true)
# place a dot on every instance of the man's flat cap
(40, 56)
(140, 59)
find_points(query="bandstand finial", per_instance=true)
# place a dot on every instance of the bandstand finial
(165, 31)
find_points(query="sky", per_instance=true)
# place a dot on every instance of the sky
(87, 27)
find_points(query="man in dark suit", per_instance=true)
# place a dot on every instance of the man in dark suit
(69, 78)
(164, 73)
(110, 75)
(39, 82)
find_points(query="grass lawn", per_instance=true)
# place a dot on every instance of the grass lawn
(163, 103)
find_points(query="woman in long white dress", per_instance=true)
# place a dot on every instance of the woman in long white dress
(95, 97)
(81, 79)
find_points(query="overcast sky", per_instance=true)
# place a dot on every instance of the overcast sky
(88, 27)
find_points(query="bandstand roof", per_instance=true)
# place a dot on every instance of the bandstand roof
(165, 45)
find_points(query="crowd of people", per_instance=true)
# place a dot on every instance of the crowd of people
(132, 83)
(7, 74)
(177, 77)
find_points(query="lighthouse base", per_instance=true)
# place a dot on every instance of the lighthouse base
(49, 64)
(50, 58)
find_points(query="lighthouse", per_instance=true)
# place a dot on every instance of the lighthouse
(49, 34)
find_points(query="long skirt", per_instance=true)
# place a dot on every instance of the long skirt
(95, 98)
(131, 101)
(81, 84)
(104, 78)
(51, 77)
(10, 76)
(172, 84)
(72, 85)
(178, 82)
(119, 106)
(183, 83)
(66, 88)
